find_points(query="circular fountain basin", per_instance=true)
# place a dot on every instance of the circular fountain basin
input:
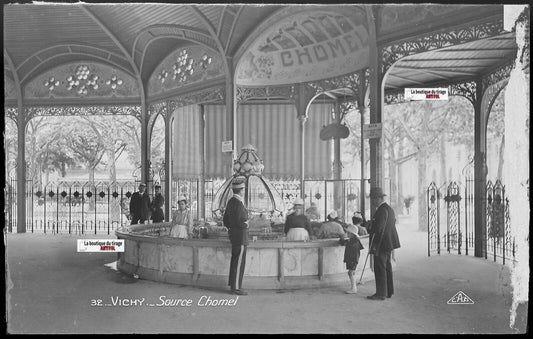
(270, 264)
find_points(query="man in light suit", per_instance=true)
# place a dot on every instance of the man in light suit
(384, 239)
(236, 221)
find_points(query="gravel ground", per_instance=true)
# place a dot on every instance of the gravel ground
(50, 289)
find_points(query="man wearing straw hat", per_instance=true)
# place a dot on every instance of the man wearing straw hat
(383, 239)
(236, 221)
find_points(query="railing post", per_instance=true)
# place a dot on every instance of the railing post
(44, 204)
(32, 207)
(108, 208)
(57, 209)
(466, 217)
(82, 208)
(448, 220)
(95, 208)
(459, 234)
(429, 219)
(504, 202)
(438, 219)
(69, 209)
(120, 201)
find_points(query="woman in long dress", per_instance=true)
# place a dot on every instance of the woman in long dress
(182, 220)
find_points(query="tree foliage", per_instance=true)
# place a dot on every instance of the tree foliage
(55, 144)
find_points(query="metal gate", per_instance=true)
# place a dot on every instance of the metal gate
(451, 222)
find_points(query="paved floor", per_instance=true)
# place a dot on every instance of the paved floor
(51, 288)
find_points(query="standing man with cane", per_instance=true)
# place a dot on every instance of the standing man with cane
(236, 221)
(384, 239)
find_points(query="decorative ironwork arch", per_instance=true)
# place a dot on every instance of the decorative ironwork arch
(209, 95)
(36, 111)
(12, 113)
(351, 81)
(489, 97)
(244, 94)
(465, 89)
(154, 110)
(499, 74)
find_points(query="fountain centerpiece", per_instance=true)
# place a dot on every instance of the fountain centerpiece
(263, 201)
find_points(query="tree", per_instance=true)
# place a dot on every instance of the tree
(395, 151)
(352, 144)
(423, 124)
(112, 137)
(496, 130)
(46, 150)
(10, 144)
(84, 140)
(157, 148)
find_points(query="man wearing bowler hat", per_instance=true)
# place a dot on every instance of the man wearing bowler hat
(383, 239)
(236, 221)
(140, 205)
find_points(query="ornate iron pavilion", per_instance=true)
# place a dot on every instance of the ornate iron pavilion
(147, 60)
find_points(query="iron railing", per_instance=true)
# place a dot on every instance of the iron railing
(457, 234)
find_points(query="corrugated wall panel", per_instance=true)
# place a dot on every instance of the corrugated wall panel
(186, 144)
(274, 131)
(215, 127)
(318, 153)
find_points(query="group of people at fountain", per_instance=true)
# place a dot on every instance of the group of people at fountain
(142, 210)
(382, 229)
(298, 225)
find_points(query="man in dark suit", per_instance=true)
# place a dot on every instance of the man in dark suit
(140, 205)
(236, 221)
(384, 239)
(157, 205)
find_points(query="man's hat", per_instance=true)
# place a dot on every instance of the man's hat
(298, 201)
(376, 192)
(157, 185)
(333, 214)
(352, 229)
(142, 184)
(182, 198)
(238, 182)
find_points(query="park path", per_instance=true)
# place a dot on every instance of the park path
(50, 287)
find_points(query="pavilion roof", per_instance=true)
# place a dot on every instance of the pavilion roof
(452, 64)
(127, 36)
(136, 38)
